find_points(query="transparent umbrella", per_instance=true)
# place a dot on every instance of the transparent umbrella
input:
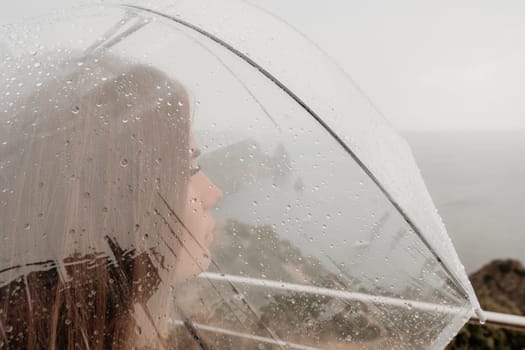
(201, 176)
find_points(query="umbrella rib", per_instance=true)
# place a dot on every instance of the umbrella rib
(238, 334)
(340, 294)
(298, 100)
(107, 40)
(496, 319)
(334, 62)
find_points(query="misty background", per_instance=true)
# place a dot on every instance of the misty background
(450, 77)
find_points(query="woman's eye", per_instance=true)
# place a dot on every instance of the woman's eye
(195, 169)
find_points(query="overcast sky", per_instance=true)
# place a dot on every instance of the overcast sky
(442, 65)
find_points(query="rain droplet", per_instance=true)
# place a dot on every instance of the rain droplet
(68, 322)
(75, 110)
(27, 227)
(9, 329)
(123, 162)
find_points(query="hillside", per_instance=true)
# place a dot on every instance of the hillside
(500, 286)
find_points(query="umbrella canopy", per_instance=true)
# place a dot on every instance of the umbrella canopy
(219, 181)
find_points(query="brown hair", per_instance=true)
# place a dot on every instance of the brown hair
(93, 171)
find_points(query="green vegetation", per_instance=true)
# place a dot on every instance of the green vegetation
(500, 287)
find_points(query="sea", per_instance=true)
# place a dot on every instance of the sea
(477, 182)
(326, 205)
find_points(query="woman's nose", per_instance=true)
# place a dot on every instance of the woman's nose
(212, 194)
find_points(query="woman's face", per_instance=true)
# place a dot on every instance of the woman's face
(197, 221)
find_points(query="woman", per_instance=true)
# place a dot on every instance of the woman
(104, 207)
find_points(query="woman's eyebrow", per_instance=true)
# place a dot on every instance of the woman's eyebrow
(196, 152)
